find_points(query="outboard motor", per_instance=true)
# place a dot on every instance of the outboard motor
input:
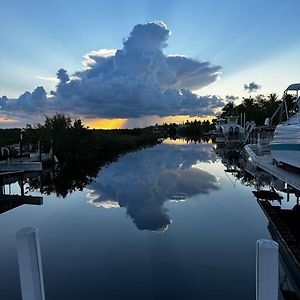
(236, 131)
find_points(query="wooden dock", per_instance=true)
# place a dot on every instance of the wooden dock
(10, 173)
(20, 166)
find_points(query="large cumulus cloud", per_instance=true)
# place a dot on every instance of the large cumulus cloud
(134, 81)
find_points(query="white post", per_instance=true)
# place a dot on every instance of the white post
(267, 274)
(30, 264)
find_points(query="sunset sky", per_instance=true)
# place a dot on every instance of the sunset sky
(136, 63)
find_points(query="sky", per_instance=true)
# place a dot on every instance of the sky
(160, 60)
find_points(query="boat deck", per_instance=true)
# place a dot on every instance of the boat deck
(265, 163)
(292, 178)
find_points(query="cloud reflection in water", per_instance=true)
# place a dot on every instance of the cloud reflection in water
(143, 181)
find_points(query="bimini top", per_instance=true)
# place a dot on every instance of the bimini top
(294, 87)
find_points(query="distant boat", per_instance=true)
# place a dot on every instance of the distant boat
(285, 147)
(219, 124)
(229, 127)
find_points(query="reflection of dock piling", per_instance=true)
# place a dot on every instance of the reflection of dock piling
(9, 201)
(284, 228)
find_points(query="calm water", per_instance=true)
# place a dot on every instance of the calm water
(161, 223)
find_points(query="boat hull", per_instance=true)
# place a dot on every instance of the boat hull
(285, 146)
(288, 154)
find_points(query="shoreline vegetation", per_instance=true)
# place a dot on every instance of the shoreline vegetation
(81, 152)
(75, 135)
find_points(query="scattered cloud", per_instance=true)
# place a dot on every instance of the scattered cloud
(231, 98)
(252, 87)
(135, 81)
(47, 78)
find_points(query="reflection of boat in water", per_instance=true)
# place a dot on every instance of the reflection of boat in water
(233, 159)
(285, 147)
(275, 197)
(284, 227)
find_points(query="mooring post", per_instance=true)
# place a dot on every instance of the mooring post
(40, 151)
(267, 273)
(30, 264)
(21, 183)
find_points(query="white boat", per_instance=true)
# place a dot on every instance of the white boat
(285, 147)
(219, 124)
(229, 127)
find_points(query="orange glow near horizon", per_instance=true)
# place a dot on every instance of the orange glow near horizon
(105, 123)
(175, 141)
(183, 119)
(100, 123)
(7, 120)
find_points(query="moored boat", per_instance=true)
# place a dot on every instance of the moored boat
(285, 146)
(229, 127)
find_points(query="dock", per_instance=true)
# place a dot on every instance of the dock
(20, 166)
(265, 163)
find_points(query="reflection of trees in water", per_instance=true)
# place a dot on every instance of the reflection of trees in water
(143, 181)
(65, 180)
(77, 174)
(194, 139)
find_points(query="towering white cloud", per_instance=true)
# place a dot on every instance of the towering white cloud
(135, 81)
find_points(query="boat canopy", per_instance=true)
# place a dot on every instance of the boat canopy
(294, 87)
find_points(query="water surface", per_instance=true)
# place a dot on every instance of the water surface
(162, 223)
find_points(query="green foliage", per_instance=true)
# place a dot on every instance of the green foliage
(72, 142)
(258, 109)
(9, 136)
(195, 128)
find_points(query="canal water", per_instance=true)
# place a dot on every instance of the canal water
(165, 222)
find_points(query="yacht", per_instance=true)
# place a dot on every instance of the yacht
(220, 122)
(285, 146)
(229, 127)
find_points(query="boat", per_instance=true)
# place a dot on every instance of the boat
(285, 146)
(229, 127)
(220, 122)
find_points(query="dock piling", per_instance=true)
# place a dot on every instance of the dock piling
(267, 272)
(30, 264)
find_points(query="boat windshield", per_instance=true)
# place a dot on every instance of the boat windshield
(295, 119)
